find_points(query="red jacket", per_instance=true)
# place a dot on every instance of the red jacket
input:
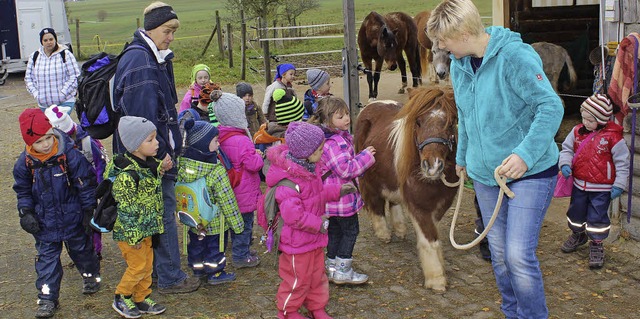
(594, 163)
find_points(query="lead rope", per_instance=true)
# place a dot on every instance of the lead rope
(504, 189)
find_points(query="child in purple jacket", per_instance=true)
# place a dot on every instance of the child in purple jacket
(303, 236)
(344, 166)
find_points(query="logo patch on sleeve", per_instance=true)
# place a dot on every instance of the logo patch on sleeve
(539, 77)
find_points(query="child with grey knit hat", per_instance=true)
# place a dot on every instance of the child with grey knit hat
(320, 84)
(137, 188)
(238, 147)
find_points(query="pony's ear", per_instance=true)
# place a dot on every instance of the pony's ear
(385, 31)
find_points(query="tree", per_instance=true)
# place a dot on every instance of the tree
(254, 8)
(102, 15)
(292, 9)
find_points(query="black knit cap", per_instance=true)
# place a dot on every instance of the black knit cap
(48, 30)
(158, 17)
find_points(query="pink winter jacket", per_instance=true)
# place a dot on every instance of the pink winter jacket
(242, 154)
(186, 101)
(338, 156)
(300, 212)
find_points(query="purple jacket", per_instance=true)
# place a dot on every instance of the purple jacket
(300, 212)
(338, 157)
(242, 154)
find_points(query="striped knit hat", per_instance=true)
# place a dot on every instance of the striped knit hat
(599, 106)
(288, 107)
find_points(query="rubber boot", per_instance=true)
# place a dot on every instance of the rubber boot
(346, 275)
(330, 266)
(320, 314)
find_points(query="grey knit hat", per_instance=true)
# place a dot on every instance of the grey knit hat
(230, 111)
(316, 78)
(243, 89)
(133, 131)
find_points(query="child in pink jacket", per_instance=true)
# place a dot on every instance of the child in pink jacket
(344, 166)
(238, 147)
(304, 231)
(200, 75)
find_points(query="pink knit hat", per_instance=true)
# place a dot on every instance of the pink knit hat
(303, 139)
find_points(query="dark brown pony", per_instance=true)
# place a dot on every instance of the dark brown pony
(415, 145)
(432, 58)
(384, 38)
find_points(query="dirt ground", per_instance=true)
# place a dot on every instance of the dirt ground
(394, 289)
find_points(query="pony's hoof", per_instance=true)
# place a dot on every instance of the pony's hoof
(401, 91)
(437, 286)
(385, 238)
(371, 99)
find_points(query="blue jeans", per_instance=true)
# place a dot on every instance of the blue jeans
(343, 232)
(240, 243)
(166, 251)
(513, 241)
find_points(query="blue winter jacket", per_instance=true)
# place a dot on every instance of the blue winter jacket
(58, 198)
(507, 107)
(145, 87)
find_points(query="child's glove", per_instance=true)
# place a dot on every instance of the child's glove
(347, 189)
(87, 214)
(28, 220)
(616, 192)
(325, 224)
(566, 170)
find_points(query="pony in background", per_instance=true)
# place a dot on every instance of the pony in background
(434, 62)
(415, 146)
(554, 58)
(384, 38)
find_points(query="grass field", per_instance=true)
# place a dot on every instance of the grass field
(197, 19)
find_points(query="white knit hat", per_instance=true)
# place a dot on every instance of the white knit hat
(599, 106)
(59, 117)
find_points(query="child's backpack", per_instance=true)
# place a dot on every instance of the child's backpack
(94, 106)
(235, 175)
(269, 213)
(106, 213)
(194, 206)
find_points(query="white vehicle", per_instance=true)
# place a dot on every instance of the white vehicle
(20, 25)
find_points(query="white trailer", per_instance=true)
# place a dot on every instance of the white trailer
(20, 25)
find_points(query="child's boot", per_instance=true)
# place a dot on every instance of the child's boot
(330, 266)
(320, 314)
(596, 254)
(46, 308)
(574, 241)
(346, 275)
(290, 315)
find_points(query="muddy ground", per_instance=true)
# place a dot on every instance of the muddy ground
(394, 290)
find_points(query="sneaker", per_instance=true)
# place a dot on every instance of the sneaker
(221, 278)
(248, 262)
(90, 285)
(188, 285)
(596, 255)
(574, 241)
(46, 308)
(125, 307)
(151, 307)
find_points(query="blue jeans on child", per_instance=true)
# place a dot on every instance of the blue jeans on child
(240, 243)
(343, 232)
(589, 211)
(204, 255)
(513, 241)
(49, 266)
(166, 252)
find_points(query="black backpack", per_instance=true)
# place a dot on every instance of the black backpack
(105, 215)
(37, 54)
(94, 105)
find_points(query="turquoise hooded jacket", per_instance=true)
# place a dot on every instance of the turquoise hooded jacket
(507, 107)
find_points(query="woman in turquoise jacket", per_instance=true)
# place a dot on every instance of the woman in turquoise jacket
(508, 115)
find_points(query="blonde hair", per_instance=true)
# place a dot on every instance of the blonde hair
(173, 24)
(453, 18)
(327, 106)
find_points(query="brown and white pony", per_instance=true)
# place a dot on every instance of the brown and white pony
(434, 62)
(415, 144)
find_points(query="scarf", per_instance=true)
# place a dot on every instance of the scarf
(43, 157)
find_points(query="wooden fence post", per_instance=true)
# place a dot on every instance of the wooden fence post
(215, 28)
(220, 48)
(230, 45)
(78, 38)
(265, 52)
(138, 23)
(243, 46)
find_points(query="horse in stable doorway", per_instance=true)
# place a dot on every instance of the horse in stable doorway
(415, 146)
(554, 58)
(384, 38)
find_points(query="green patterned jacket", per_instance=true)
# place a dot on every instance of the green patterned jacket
(219, 190)
(140, 208)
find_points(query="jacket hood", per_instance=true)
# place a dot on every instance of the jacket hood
(65, 144)
(281, 167)
(188, 175)
(501, 39)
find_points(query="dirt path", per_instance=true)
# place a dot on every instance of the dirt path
(394, 291)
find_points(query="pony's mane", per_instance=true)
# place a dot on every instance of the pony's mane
(402, 135)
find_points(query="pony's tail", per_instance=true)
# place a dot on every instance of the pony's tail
(573, 77)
